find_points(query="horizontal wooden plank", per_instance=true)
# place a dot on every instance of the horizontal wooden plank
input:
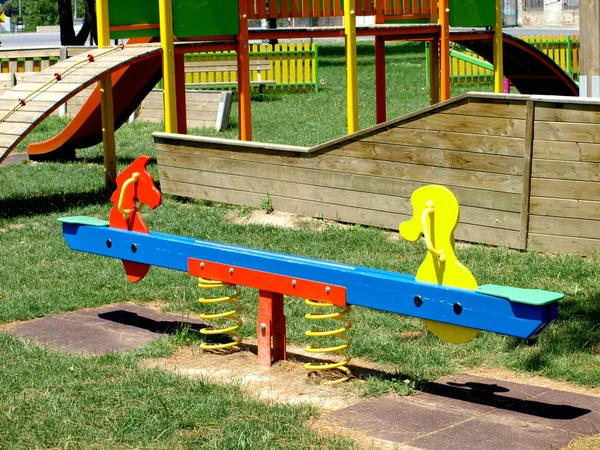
(30, 53)
(567, 132)
(472, 233)
(562, 244)
(556, 112)
(9, 140)
(53, 87)
(393, 170)
(19, 116)
(306, 191)
(470, 124)
(39, 97)
(16, 128)
(432, 157)
(566, 170)
(576, 190)
(37, 106)
(554, 207)
(489, 109)
(561, 226)
(158, 115)
(197, 123)
(566, 151)
(363, 183)
(190, 105)
(444, 140)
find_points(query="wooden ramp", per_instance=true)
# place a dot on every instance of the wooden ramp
(24, 106)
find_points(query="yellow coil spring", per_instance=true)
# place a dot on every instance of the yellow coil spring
(230, 315)
(339, 332)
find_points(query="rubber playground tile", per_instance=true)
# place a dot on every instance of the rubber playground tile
(14, 158)
(120, 327)
(387, 418)
(494, 434)
(468, 412)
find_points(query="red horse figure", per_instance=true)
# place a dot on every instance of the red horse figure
(134, 184)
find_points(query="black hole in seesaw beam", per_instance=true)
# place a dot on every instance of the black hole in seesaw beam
(108, 243)
(457, 308)
(133, 248)
(418, 301)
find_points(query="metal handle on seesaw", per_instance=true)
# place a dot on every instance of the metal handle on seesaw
(427, 211)
(126, 212)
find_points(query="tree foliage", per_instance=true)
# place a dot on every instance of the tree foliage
(39, 13)
(57, 12)
(10, 9)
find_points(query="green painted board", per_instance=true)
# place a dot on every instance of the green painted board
(472, 13)
(535, 297)
(191, 18)
(133, 12)
(194, 18)
(84, 220)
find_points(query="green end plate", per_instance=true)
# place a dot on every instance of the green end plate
(535, 297)
(84, 220)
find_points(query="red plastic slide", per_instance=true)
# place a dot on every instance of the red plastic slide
(130, 86)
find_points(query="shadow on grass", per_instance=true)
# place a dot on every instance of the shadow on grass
(52, 203)
(575, 331)
(121, 160)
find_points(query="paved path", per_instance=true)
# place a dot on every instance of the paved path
(468, 412)
(121, 327)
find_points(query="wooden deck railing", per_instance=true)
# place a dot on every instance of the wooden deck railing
(273, 9)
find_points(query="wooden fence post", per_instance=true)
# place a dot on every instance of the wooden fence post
(526, 192)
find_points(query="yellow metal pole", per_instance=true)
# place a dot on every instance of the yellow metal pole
(106, 100)
(351, 67)
(498, 59)
(444, 50)
(165, 12)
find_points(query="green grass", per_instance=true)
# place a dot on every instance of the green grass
(52, 400)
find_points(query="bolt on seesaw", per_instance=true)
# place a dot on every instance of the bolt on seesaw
(444, 293)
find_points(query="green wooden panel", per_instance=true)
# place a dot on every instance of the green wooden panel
(191, 18)
(133, 12)
(472, 13)
(205, 18)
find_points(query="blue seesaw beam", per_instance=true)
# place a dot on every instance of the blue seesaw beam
(522, 316)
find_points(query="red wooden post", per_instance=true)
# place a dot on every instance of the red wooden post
(271, 328)
(180, 94)
(380, 90)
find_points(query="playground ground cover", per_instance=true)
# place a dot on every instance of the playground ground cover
(53, 399)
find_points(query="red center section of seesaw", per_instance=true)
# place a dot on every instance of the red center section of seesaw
(266, 281)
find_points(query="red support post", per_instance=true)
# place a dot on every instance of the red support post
(271, 328)
(380, 89)
(243, 57)
(180, 93)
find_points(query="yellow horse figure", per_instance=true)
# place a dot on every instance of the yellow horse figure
(436, 214)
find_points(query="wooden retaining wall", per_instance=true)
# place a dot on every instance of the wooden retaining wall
(205, 109)
(525, 170)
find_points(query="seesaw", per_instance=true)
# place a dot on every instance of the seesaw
(444, 292)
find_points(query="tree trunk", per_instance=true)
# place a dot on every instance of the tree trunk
(65, 20)
(90, 18)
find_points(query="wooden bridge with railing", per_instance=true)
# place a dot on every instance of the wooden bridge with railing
(391, 9)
